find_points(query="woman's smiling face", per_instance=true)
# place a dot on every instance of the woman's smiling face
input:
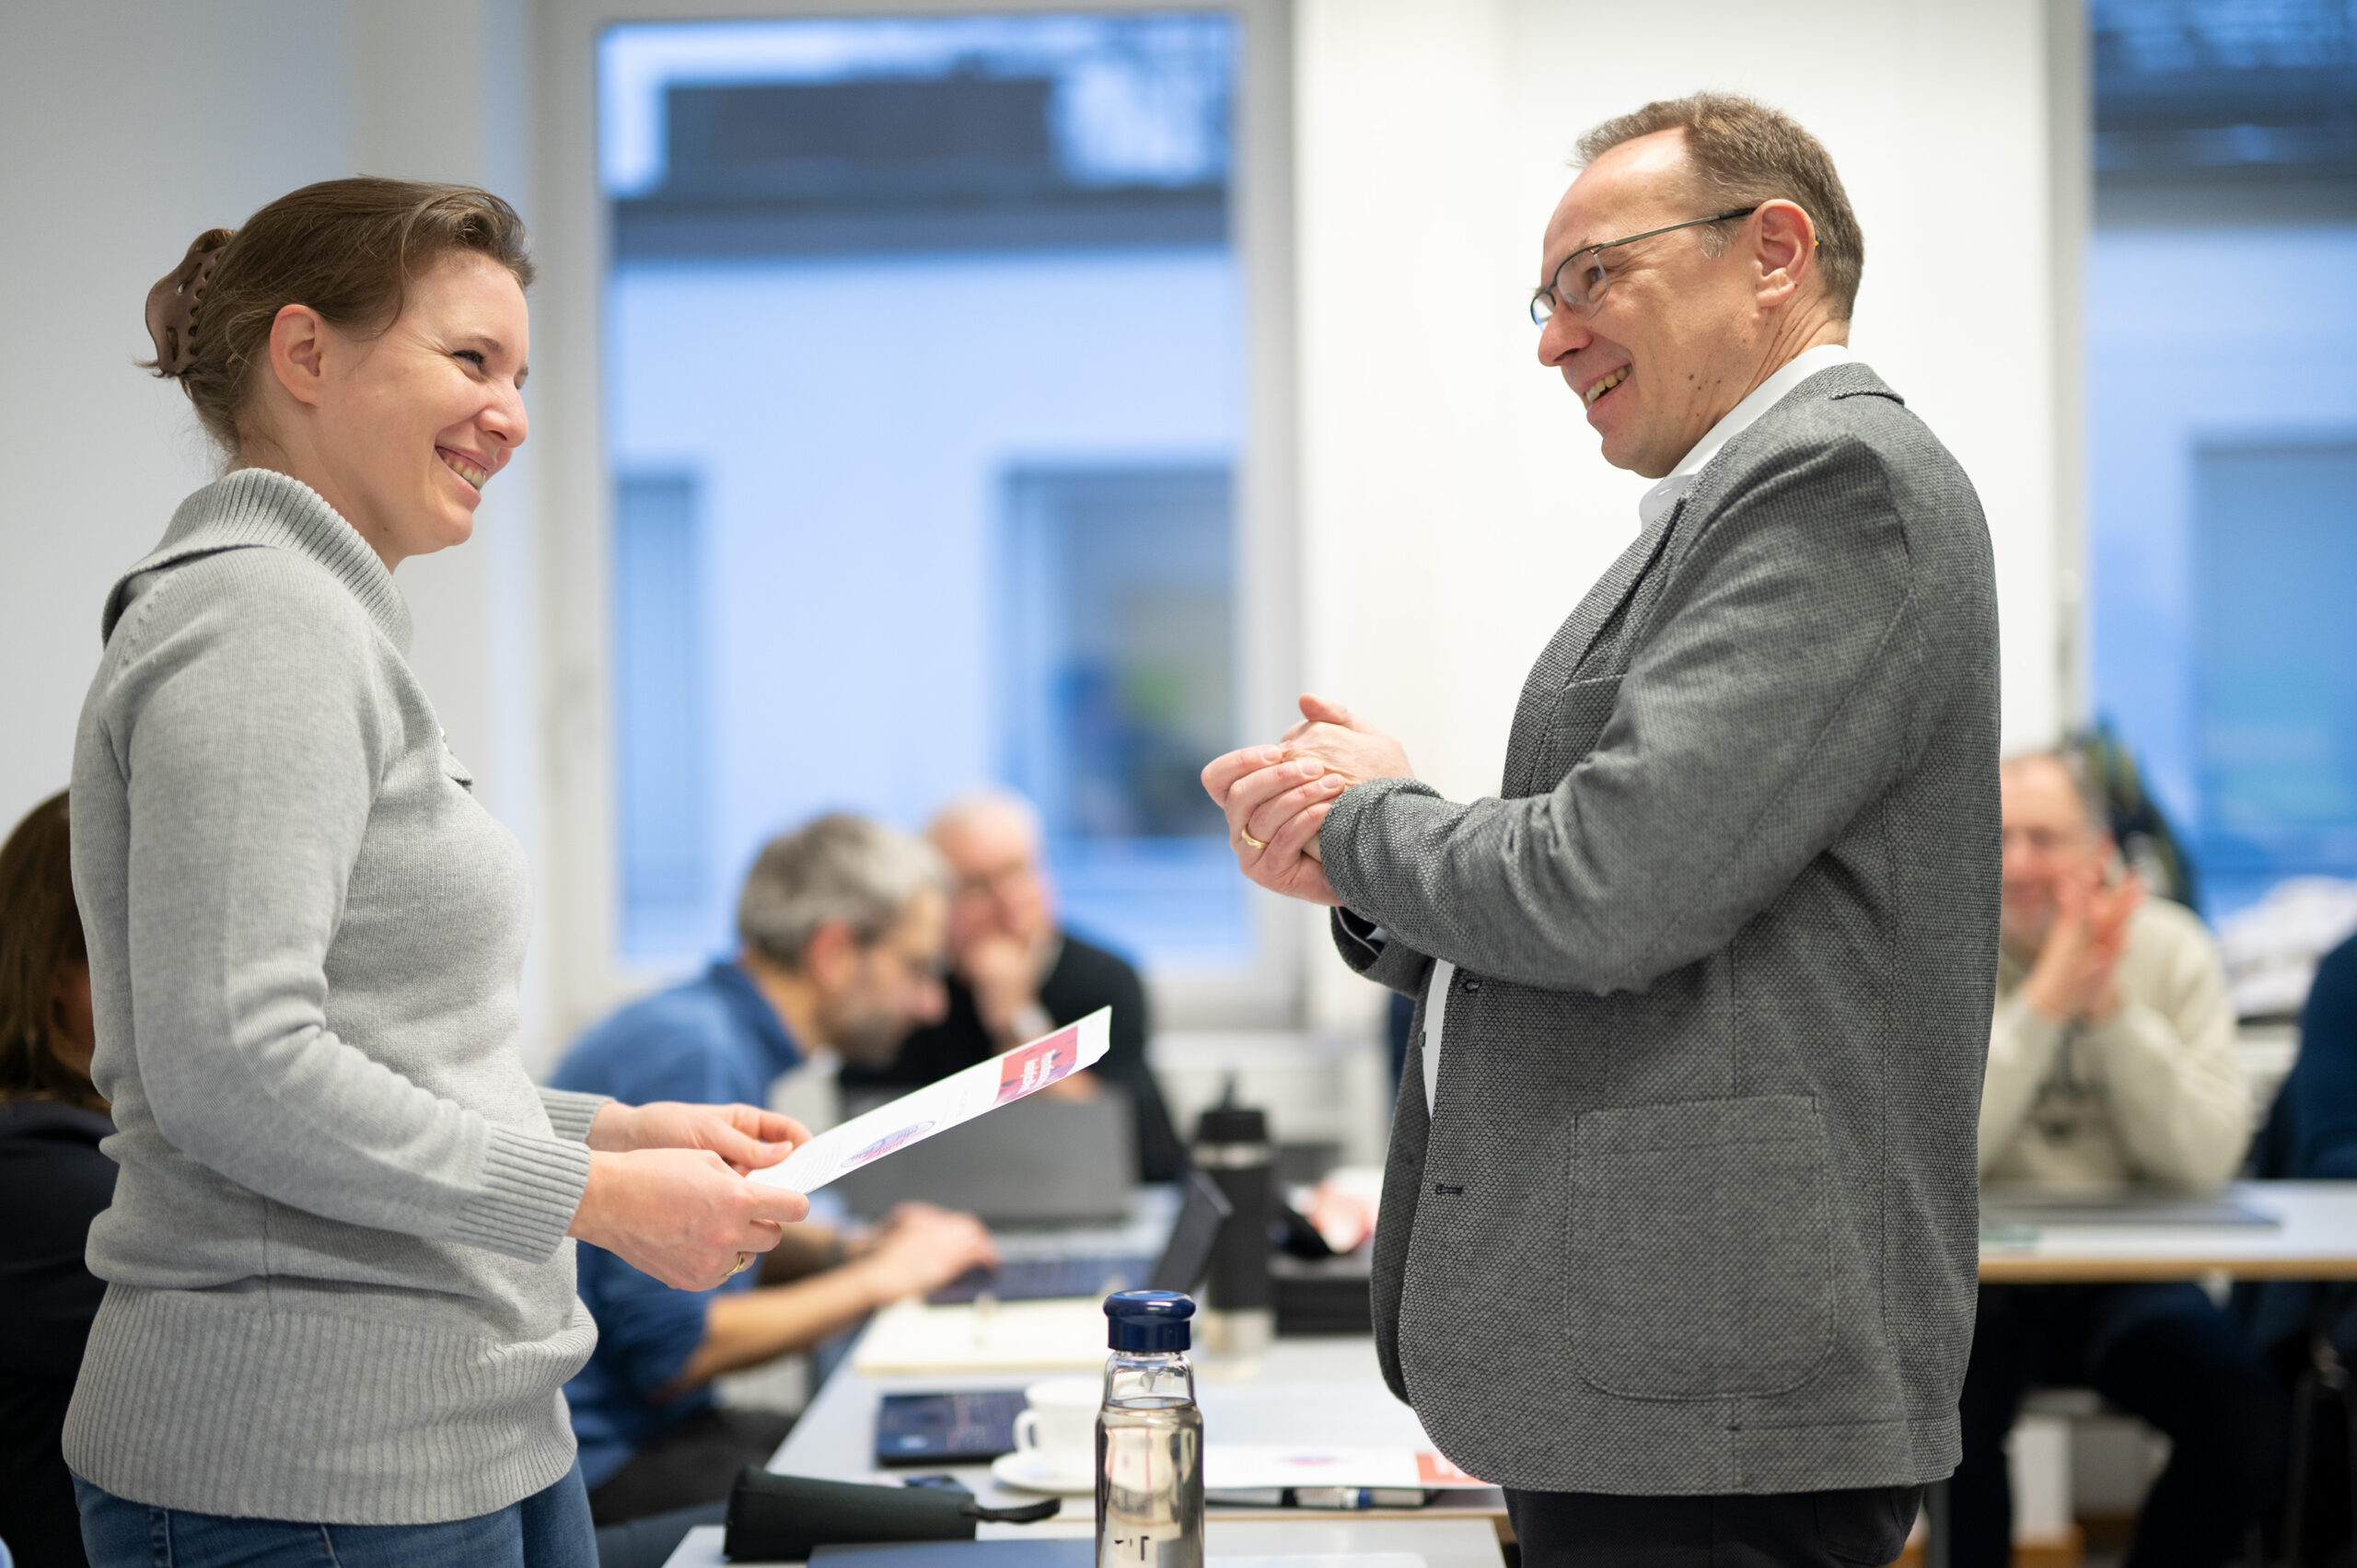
(408, 426)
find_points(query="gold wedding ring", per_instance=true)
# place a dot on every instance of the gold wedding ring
(1247, 835)
(744, 1261)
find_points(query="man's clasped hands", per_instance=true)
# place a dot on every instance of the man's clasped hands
(1277, 797)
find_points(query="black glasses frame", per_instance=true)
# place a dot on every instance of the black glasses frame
(1540, 309)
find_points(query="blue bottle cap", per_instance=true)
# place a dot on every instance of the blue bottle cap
(1148, 1319)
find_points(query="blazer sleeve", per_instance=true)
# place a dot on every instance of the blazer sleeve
(1770, 702)
(1371, 951)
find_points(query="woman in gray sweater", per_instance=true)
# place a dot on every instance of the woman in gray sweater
(340, 1299)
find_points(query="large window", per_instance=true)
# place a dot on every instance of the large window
(2221, 383)
(925, 360)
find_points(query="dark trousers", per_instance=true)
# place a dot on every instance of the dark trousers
(694, 1462)
(2161, 1351)
(1796, 1529)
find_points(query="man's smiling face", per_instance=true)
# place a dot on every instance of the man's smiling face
(1672, 345)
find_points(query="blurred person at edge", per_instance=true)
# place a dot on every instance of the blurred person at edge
(54, 1182)
(2110, 1060)
(339, 1307)
(1017, 973)
(839, 931)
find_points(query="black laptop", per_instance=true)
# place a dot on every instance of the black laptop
(1185, 1259)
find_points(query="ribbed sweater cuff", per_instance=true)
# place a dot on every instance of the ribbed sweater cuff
(570, 1112)
(530, 1188)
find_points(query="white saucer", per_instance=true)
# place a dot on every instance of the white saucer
(1033, 1471)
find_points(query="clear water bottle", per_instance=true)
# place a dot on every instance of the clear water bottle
(1149, 1437)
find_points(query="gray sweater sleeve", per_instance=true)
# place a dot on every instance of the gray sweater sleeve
(251, 747)
(1770, 704)
(571, 1112)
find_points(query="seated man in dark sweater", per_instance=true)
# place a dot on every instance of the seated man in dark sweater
(1016, 974)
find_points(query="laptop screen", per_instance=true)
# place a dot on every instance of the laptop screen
(1188, 1256)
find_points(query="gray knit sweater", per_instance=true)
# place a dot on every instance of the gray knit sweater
(338, 1287)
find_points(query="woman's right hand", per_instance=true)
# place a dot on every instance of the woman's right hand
(680, 1214)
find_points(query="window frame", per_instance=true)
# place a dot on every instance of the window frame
(580, 925)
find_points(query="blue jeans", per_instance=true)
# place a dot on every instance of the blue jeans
(548, 1530)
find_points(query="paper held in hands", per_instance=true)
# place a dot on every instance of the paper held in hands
(961, 1096)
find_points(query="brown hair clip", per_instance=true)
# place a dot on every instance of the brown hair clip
(171, 304)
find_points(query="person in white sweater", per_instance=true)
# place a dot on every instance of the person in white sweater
(340, 1305)
(2110, 1062)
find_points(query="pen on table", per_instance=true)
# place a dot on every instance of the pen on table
(1341, 1498)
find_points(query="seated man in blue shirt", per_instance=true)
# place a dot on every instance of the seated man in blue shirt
(840, 924)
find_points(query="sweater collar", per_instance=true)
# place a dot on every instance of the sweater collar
(263, 507)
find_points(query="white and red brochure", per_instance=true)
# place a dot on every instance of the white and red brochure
(941, 1105)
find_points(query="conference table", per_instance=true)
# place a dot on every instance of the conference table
(1329, 1390)
(1306, 1392)
(2315, 1237)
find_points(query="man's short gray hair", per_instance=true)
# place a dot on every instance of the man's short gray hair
(1740, 154)
(836, 868)
(984, 804)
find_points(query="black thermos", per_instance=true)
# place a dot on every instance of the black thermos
(1240, 1299)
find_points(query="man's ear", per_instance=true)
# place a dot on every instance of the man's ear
(831, 956)
(1785, 250)
(298, 350)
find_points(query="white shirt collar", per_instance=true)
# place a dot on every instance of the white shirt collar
(1656, 503)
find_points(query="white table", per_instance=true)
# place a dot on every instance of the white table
(2318, 1240)
(1304, 1391)
(1442, 1543)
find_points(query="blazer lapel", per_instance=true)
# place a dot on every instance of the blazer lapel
(1527, 741)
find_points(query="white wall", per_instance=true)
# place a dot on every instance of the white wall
(1453, 506)
(122, 145)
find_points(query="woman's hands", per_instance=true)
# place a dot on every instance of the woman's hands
(746, 1136)
(680, 1214)
(668, 1191)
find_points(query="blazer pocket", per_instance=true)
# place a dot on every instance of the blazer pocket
(1700, 1254)
(1582, 710)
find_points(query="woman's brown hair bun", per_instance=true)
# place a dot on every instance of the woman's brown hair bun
(172, 303)
(346, 248)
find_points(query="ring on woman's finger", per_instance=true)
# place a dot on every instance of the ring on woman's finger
(744, 1261)
(1247, 834)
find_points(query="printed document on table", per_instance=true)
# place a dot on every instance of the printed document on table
(961, 1096)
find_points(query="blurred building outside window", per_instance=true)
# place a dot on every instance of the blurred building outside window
(2221, 413)
(926, 367)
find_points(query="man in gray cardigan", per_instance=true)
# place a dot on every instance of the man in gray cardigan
(1678, 1240)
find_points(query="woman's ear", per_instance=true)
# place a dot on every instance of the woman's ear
(298, 350)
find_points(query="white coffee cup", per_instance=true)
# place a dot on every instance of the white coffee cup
(1058, 1428)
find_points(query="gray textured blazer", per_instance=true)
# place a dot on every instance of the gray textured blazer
(1695, 1210)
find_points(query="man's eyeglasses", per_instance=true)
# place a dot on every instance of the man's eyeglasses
(1582, 277)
